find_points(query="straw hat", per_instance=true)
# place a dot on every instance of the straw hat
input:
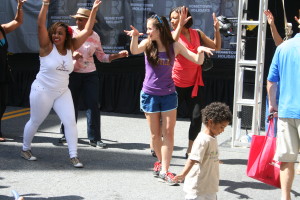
(82, 13)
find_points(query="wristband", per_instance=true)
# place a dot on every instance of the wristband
(46, 3)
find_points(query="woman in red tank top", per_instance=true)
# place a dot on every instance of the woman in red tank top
(187, 76)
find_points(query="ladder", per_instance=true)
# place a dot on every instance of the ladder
(241, 66)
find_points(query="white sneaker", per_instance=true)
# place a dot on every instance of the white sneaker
(76, 163)
(28, 155)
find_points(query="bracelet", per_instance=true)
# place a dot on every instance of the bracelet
(46, 3)
(20, 9)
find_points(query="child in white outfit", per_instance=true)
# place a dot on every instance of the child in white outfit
(201, 171)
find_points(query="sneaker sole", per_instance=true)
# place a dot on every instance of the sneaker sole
(30, 159)
(102, 147)
(164, 181)
(161, 180)
(171, 184)
(78, 166)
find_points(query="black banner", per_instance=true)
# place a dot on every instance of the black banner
(113, 17)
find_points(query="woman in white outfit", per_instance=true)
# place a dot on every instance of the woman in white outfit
(50, 88)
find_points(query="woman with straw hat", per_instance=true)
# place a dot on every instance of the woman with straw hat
(85, 80)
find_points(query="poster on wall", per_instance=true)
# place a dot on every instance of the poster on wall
(115, 16)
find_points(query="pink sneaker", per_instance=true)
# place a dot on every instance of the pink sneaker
(168, 178)
(156, 169)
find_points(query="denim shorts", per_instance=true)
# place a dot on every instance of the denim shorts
(153, 104)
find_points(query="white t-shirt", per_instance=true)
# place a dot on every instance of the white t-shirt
(203, 178)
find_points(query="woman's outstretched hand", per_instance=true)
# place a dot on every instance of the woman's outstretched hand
(183, 18)
(97, 3)
(208, 51)
(297, 20)
(133, 32)
(216, 22)
(123, 53)
(270, 17)
(21, 2)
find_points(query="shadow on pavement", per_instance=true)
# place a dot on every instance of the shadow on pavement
(232, 186)
(234, 161)
(57, 158)
(30, 196)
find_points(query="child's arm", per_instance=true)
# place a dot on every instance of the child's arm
(188, 165)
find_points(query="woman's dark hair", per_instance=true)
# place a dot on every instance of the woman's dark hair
(178, 10)
(217, 112)
(52, 30)
(161, 23)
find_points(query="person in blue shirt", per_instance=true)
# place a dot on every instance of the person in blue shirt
(277, 40)
(285, 68)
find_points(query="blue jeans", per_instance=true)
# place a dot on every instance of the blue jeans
(86, 85)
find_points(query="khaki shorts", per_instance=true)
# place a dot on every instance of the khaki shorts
(288, 140)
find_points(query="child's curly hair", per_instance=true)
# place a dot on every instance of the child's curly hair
(218, 112)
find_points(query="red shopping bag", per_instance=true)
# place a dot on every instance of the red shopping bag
(261, 165)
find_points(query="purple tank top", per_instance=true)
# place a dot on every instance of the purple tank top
(158, 79)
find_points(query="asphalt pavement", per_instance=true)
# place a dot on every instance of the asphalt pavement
(120, 172)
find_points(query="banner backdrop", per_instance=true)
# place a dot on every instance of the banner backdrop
(113, 17)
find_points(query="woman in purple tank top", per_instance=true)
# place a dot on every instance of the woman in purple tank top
(158, 96)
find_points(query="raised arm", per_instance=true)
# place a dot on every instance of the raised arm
(135, 47)
(298, 21)
(276, 37)
(85, 33)
(11, 26)
(196, 58)
(183, 19)
(216, 43)
(44, 40)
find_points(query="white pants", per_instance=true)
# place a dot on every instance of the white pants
(42, 100)
(202, 197)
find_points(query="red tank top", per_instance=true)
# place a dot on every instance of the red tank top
(186, 73)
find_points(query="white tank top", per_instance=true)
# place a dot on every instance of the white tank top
(55, 69)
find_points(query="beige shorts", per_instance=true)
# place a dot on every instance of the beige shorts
(288, 140)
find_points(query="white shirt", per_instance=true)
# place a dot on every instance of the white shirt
(55, 69)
